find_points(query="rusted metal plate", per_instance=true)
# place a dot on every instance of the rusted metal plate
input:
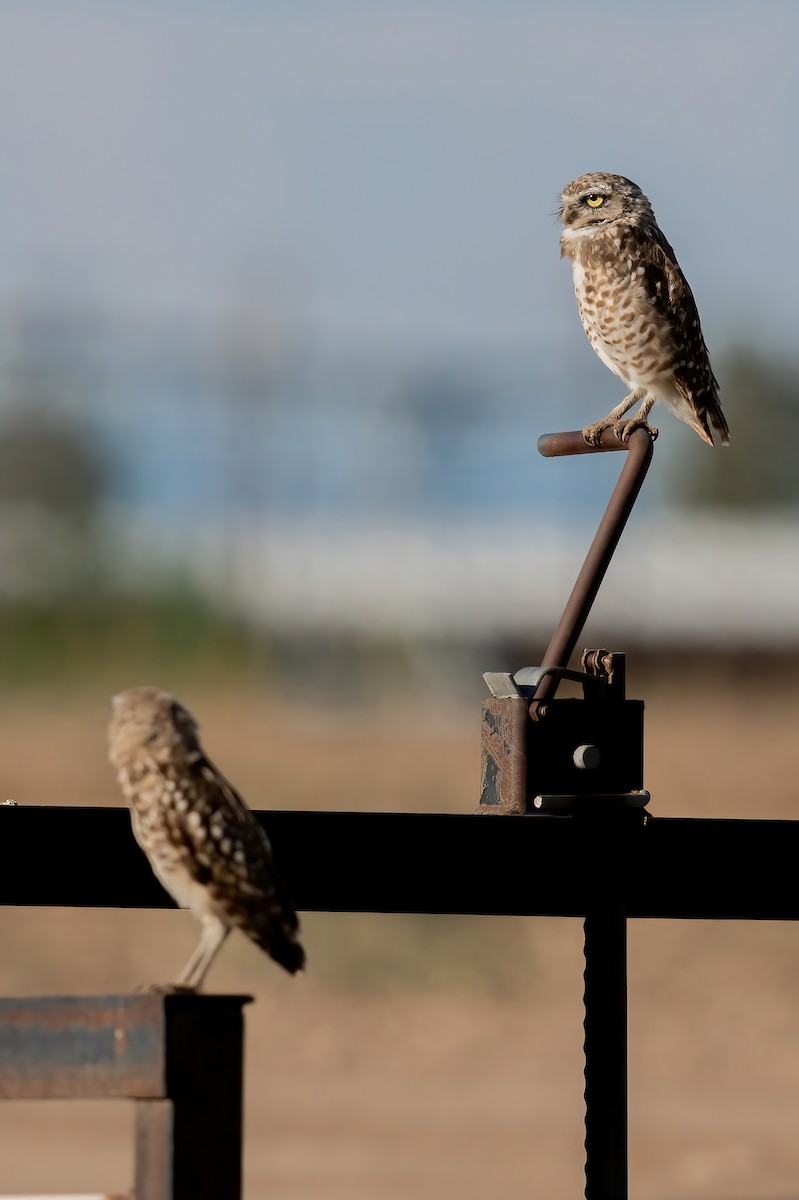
(82, 1046)
(503, 753)
(131, 1046)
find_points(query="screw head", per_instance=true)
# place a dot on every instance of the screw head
(587, 758)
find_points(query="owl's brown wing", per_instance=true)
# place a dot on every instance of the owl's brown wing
(670, 296)
(665, 285)
(256, 844)
(233, 859)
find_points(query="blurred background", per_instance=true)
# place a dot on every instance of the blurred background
(281, 319)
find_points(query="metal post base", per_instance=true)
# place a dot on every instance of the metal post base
(179, 1056)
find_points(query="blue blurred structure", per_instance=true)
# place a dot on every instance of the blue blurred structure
(205, 429)
(291, 270)
(322, 493)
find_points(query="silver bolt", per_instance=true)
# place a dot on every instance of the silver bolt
(587, 758)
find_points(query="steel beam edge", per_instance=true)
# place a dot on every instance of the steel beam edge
(93, 1047)
(402, 862)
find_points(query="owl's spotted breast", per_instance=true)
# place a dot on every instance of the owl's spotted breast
(625, 312)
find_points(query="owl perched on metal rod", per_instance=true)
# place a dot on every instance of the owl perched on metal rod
(637, 308)
(203, 843)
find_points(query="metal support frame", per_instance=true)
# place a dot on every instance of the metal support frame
(602, 863)
(395, 862)
(179, 1057)
(605, 948)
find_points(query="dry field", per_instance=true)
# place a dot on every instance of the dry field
(437, 1057)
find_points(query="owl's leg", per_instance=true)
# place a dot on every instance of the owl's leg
(213, 935)
(592, 434)
(625, 428)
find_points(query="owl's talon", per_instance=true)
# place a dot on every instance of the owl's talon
(592, 434)
(625, 429)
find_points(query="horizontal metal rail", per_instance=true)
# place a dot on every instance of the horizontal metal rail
(399, 862)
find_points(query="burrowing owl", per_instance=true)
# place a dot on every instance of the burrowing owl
(636, 307)
(203, 843)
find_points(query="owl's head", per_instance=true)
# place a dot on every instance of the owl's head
(598, 201)
(153, 722)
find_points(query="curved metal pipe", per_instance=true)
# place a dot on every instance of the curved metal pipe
(597, 560)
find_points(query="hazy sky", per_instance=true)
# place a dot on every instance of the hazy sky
(386, 172)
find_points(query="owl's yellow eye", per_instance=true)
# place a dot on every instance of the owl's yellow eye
(594, 201)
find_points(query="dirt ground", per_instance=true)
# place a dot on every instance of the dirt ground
(437, 1056)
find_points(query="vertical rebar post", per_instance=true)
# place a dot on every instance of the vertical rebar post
(605, 999)
(605, 1046)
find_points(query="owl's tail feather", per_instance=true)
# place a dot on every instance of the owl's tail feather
(275, 927)
(285, 949)
(713, 420)
(710, 420)
(719, 423)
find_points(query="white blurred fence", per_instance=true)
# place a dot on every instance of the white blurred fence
(690, 580)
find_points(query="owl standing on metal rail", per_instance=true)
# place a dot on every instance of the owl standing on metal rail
(637, 308)
(203, 843)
